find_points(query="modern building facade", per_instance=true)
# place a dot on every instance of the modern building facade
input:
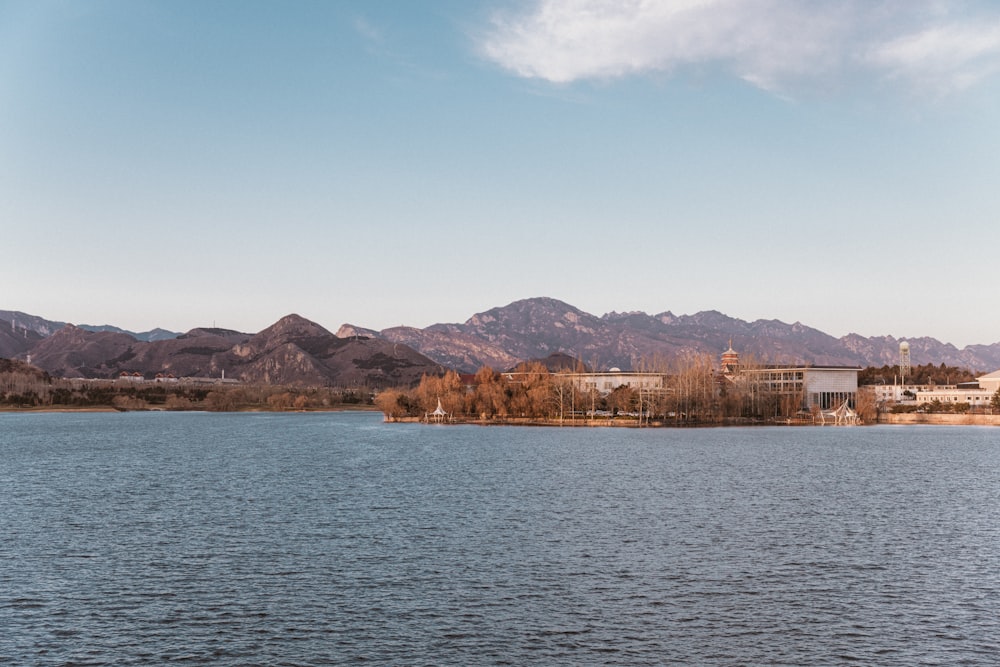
(821, 387)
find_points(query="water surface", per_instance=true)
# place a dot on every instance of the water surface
(317, 539)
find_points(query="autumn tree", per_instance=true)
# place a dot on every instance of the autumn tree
(530, 390)
(654, 401)
(22, 384)
(920, 374)
(489, 398)
(562, 395)
(394, 404)
(125, 402)
(621, 399)
(447, 388)
(693, 386)
(867, 404)
(280, 401)
(221, 400)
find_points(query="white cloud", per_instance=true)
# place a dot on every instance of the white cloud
(944, 58)
(773, 44)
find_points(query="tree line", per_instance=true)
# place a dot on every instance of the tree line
(23, 386)
(692, 391)
(922, 374)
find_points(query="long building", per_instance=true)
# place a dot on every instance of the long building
(975, 398)
(606, 382)
(977, 394)
(822, 387)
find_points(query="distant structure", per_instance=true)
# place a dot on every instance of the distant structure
(904, 361)
(730, 362)
(439, 415)
(830, 390)
(606, 382)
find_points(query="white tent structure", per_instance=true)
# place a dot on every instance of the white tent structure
(439, 415)
(843, 415)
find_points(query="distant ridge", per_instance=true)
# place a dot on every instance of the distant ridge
(500, 337)
(148, 336)
(45, 327)
(293, 351)
(538, 327)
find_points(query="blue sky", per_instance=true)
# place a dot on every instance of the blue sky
(180, 164)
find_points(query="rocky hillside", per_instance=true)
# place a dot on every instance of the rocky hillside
(293, 351)
(536, 328)
(16, 340)
(450, 348)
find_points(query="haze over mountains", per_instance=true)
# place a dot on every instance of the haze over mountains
(297, 351)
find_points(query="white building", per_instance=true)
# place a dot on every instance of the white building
(823, 387)
(901, 393)
(976, 398)
(990, 381)
(607, 382)
(923, 394)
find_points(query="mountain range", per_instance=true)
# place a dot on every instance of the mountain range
(292, 351)
(295, 350)
(535, 328)
(45, 327)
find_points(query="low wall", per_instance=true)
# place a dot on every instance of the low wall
(939, 418)
(884, 418)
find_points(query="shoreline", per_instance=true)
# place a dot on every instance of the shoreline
(939, 419)
(932, 419)
(106, 408)
(592, 423)
(928, 419)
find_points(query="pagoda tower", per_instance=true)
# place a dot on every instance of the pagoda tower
(730, 360)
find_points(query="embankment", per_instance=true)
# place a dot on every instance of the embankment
(939, 418)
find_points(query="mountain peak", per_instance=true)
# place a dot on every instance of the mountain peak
(211, 331)
(294, 325)
(350, 331)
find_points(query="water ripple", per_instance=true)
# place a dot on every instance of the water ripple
(142, 539)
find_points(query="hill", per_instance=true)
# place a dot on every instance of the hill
(15, 339)
(293, 351)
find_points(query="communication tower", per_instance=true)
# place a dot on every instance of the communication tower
(904, 361)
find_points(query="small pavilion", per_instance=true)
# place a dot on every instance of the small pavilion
(439, 415)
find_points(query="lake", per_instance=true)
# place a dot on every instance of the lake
(327, 539)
